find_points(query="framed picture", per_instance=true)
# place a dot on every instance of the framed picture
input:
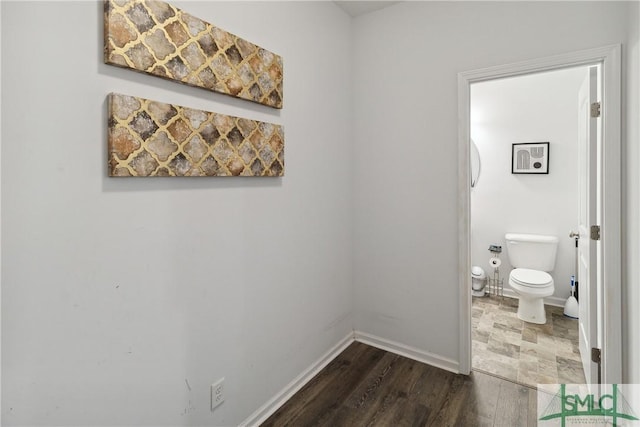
(530, 157)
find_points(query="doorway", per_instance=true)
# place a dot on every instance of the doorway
(534, 115)
(608, 218)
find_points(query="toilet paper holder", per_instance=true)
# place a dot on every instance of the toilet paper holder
(495, 283)
(496, 249)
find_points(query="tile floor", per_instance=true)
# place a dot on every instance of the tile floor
(530, 354)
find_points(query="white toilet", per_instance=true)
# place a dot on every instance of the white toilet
(532, 257)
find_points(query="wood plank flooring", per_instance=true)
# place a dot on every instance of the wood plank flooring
(366, 386)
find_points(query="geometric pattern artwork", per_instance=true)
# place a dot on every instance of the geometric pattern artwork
(149, 138)
(156, 38)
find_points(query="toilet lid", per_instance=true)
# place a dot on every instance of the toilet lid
(527, 277)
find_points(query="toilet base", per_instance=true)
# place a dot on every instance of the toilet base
(531, 310)
(480, 293)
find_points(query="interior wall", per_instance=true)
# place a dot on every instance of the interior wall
(125, 299)
(631, 201)
(122, 300)
(541, 107)
(407, 58)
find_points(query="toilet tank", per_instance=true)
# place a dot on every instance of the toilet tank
(534, 251)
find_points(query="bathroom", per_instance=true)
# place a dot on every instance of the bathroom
(535, 108)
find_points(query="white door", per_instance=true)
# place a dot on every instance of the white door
(587, 256)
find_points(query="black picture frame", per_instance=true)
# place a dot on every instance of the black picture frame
(530, 158)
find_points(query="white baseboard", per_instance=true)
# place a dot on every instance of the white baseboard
(410, 352)
(269, 408)
(555, 301)
(552, 300)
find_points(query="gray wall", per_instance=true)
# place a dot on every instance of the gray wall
(118, 291)
(114, 292)
(406, 62)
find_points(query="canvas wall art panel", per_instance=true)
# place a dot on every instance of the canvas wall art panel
(156, 38)
(150, 138)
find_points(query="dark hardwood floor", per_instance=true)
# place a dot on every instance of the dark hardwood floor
(366, 386)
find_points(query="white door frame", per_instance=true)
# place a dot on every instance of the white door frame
(610, 246)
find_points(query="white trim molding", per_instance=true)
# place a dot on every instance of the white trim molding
(407, 351)
(610, 248)
(269, 408)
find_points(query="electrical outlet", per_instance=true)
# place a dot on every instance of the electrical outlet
(217, 393)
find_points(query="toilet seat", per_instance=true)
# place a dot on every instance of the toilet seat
(531, 278)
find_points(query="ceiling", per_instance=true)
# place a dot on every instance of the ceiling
(357, 8)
